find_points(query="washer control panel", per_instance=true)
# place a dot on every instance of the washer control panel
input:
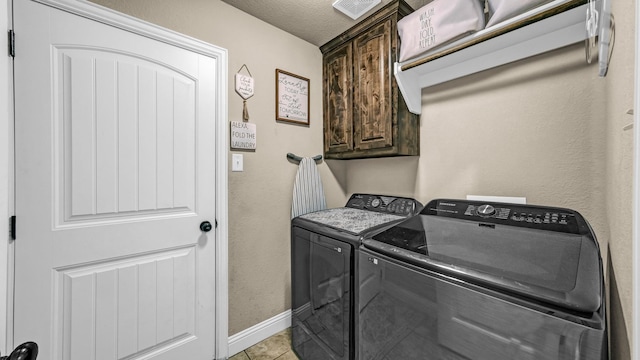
(385, 204)
(529, 216)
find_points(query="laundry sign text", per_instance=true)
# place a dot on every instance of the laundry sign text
(243, 135)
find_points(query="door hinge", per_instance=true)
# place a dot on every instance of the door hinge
(12, 227)
(12, 44)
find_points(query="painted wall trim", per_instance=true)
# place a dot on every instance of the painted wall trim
(635, 221)
(253, 335)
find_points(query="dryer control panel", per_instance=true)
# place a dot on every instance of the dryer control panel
(527, 216)
(385, 204)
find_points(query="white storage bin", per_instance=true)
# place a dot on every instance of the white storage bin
(438, 23)
(500, 10)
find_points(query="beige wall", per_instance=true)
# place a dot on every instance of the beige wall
(619, 194)
(259, 197)
(532, 129)
(546, 128)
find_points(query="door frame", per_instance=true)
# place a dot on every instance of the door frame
(110, 17)
(635, 221)
(6, 184)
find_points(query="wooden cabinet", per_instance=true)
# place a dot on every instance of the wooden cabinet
(364, 113)
(338, 100)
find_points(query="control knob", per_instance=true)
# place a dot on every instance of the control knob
(486, 210)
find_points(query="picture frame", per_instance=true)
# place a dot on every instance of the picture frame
(292, 98)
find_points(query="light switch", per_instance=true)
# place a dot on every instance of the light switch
(236, 162)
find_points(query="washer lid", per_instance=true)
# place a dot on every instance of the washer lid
(352, 220)
(562, 268)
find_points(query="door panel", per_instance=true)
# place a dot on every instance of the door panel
(115, 171)
(372, 118)
(338, 100)
(138, 162)
(142, 302)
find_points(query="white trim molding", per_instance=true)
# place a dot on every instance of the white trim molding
(635, 237)
(253, 335)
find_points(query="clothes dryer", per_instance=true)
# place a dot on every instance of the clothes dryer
(324, 257)
(468, 280)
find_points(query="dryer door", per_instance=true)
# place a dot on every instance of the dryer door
(410, 313)
(322, 296)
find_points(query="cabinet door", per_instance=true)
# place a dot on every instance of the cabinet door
(338, 124)
(372, 113)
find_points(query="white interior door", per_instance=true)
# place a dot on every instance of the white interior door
(115, 171)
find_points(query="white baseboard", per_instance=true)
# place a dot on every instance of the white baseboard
(253, 335)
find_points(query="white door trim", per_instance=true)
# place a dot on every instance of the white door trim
(6, 184)
(113, 18)
(635, 240)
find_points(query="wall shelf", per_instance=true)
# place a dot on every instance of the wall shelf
(545, 28)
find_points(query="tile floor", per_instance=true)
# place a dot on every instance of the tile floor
(277, 347)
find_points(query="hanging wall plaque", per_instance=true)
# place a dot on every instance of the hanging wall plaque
(243, 135)
(292, 98)
(244, 88)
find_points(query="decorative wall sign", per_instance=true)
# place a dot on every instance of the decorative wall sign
(243, 135)
(292, 98)
(244, 88)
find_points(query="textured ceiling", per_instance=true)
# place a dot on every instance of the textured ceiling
(315, 21)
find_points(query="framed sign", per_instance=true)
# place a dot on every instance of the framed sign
(292, 98)
(243, 135)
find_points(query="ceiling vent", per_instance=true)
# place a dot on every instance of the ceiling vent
(355, 8)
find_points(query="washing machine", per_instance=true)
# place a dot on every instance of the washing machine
(324, 264)
(483, 281)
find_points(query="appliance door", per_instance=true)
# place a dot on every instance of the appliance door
(409, 313)
(560, 268)
(321, 303)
